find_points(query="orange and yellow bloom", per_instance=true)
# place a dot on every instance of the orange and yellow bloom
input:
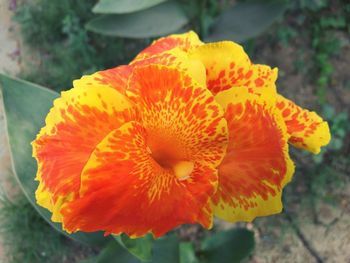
(185, 132)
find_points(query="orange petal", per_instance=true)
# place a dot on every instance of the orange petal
(177, 110)
(179, 59)
(227, 65)
(257, 164)
(307, 130)
(116, 78)
(78, 121)
(125, 190)
(184, 41)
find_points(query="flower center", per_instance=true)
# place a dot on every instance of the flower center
(183, 169)
(166, 156)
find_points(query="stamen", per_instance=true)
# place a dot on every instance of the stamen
(183, 169)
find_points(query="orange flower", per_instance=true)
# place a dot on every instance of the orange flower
(145, 162)
(185, 131)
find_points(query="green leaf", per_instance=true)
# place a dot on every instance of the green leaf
(123, 6)
(246, 20)
(139, 247)
(155, 21)
(187, 253)
(166, 249)
(26, 106)
(112, 253)
(228, 246)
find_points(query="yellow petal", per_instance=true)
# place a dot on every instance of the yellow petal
(227, 65)
(306, 129)
(184, 42)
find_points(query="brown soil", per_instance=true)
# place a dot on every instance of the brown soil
(9, 63)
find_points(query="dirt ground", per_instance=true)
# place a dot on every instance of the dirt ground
(277, 240)
(9, 63)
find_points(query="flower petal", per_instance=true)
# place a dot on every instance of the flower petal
(125, 190)
(184, 41)
(78, 121)
(257, 164)
(179, 59)
(174, 105)
(116, 78)
(227, 65)
(307, 130)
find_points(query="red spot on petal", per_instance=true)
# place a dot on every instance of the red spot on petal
(259, 82)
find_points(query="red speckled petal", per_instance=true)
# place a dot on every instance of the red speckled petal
(179, 59)
(78, 121)
(116, 78)
(184, 42)
(175, 108)
(125, 190)
(257, 164)
(227, 65)
(307, 130)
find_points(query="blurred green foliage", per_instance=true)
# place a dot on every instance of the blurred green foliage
(318, 21)
(60, 48)
(340, 127)
(25, 234)
(161, 19)
(325, 177)
(213, 20)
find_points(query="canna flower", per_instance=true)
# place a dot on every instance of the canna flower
(136, 163)
(185, 132)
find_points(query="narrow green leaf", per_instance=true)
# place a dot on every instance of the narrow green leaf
(26, 106)
(187, 253)
(123, 6)
(155, 21)
(139, 247)
(246, 20)
(228, 246)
